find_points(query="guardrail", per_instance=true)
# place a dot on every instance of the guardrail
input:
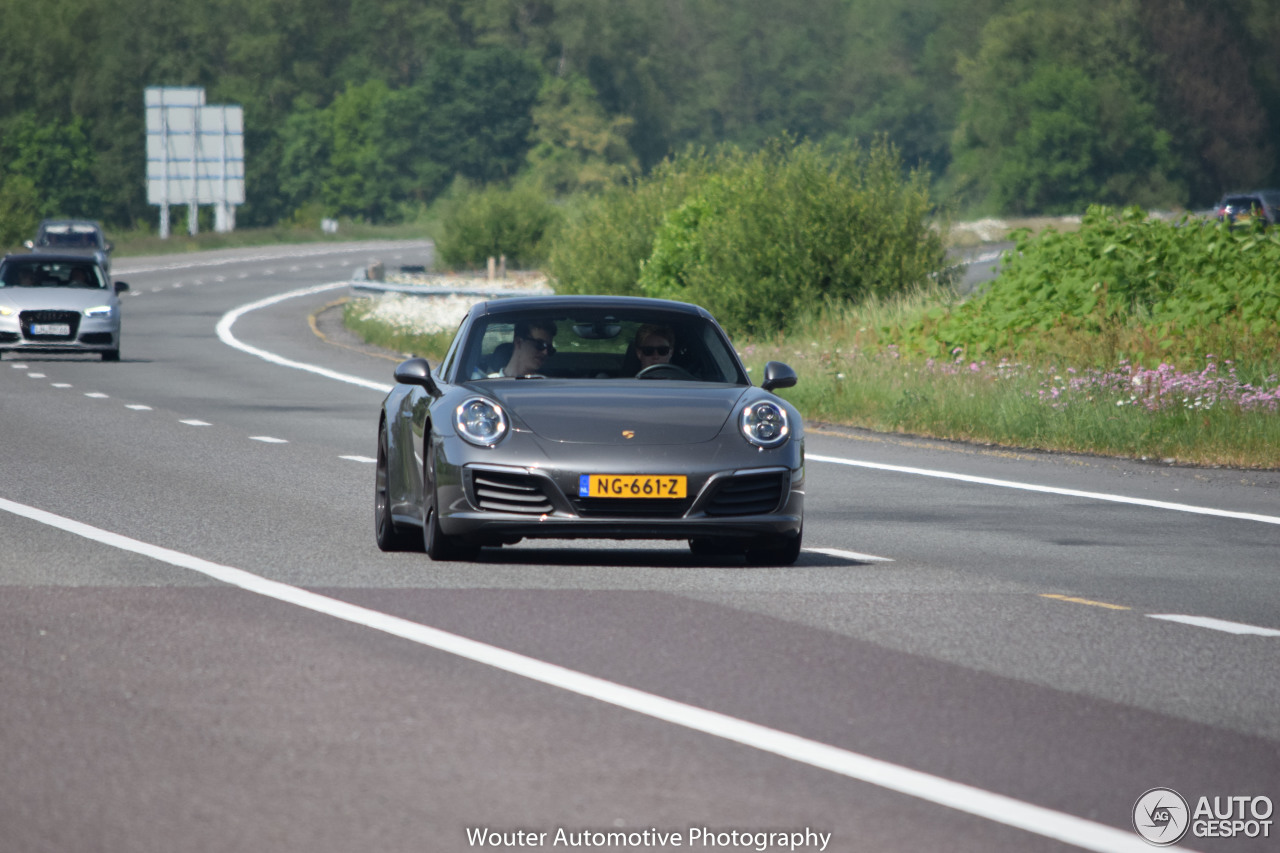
(414, 281)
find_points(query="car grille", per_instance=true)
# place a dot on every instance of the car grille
(751, 494)
(503, 492)
(29, 318)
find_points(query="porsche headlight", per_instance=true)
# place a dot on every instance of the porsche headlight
(480, 421)
(764, 424)
(99, 311)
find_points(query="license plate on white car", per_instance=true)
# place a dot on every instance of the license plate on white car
(50, 329)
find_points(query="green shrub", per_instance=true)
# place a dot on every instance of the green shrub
(605, 238)
(493, 222)
(1123, 286)
(758, 239)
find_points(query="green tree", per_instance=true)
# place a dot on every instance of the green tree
(1212, 89)
(56, 157)
(1058, 114)
(576, 146)
(19, 210)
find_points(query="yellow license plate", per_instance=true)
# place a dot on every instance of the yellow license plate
(631, 486)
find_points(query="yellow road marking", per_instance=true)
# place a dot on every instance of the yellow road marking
(1087, 601)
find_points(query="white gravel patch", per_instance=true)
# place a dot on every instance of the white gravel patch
(437, 307)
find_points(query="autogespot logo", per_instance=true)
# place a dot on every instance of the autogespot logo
(1161, 817)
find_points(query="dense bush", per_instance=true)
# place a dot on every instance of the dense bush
(759, 239)
(494, 222)
(605, 238)
(1130, 287)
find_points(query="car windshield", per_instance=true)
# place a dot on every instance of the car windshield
(52, 274)
(614, 345)
(70, 238)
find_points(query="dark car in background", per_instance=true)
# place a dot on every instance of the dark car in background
(1244, 208)
(543, 421)
(73, 236)
(57, 302)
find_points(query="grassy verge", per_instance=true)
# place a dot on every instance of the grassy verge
(142, 243)
(1213, 413)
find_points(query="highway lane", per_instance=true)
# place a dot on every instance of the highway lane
(159, 705)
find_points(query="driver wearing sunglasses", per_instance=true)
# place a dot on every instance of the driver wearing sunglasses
(531, 346)
(654, 345)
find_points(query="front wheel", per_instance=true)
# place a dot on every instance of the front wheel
(389, 535)
(111, 355)
(438, 545)
(775, 551)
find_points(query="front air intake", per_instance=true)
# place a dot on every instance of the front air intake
(509, 492)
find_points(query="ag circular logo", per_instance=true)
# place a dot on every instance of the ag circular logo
(1161, 817)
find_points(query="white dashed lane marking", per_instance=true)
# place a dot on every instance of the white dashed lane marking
(194, 422)
(97, 395)
(138, 407)
(359, 459)
(850, 555)
(266, 439)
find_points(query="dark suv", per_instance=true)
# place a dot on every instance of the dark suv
(77, 236)
(1262, 206)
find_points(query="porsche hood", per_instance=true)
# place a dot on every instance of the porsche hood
(649, 412)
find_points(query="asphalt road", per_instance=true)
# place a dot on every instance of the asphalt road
(202, 649)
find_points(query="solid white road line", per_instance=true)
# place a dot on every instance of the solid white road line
(1052, 490)
(228, 320)
(998, 808)
(1217, 624)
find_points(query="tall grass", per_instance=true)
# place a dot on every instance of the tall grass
(850, 373)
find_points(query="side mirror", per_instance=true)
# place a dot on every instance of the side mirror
(111, 247)
(30, 244)
(416, 371)
(121, 286)
(777, 375)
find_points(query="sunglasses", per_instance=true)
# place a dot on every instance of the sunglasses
(542, 346)
(652, 351)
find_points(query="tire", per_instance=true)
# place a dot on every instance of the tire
(111, 355)
(389, 535)
(439, 546)
(777, 551)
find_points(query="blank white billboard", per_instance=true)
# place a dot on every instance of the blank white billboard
(195, 151)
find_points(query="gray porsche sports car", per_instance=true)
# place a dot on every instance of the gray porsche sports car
(590, 417)
(58, 303)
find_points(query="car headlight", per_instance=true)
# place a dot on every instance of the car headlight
(764, 424)
(6, 311)
(480, 421)
(99, 311)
